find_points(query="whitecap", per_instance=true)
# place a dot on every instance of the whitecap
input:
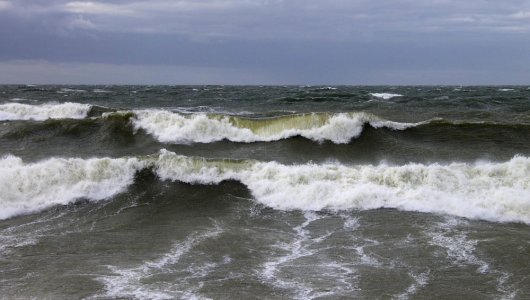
(32, 187)
(498, 192)
(385, 96)
(340, 128)
(488, 191)
(19, 111)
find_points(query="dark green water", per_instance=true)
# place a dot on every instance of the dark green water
(221, 192)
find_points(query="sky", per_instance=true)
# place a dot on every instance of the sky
(357, 42)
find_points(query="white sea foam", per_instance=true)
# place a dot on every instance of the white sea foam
(489, 191)
(339, 128)
(27, 234)
(420, 280)
(460, 249)
(385, 96)
(278, 270)
(18, 111)
(127, 282)
(32, 187)
(295, 250)
(506, 90)
(367, 259)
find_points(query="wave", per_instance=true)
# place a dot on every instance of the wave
(68, 90)
(498, 192)
(19, 111)
(33, 187)
(188, 126)
(385, 96)
(101, 91)
(340, 128)
(21, 100)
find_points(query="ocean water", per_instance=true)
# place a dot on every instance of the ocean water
(264, 192)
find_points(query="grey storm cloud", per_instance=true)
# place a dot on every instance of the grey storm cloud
(268, 41)
(292, 19)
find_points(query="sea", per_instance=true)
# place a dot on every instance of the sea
(264, 192)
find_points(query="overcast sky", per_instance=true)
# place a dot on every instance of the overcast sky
(265, 41)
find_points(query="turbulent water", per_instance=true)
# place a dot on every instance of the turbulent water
(296, 192)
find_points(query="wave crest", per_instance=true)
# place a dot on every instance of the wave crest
(33, 187)
(488, 191)
(385, 96)
(497, 192)
(19, 111)
(340, 128)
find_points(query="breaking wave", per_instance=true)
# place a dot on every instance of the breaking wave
(19, 111)
(28, 188)
(498, 192)
(385, 96)
(340, 128)
(186, 127)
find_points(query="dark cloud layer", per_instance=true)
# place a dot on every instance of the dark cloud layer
(265, 41)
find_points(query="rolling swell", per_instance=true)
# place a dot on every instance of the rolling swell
(112, 127)
(185, 128)
(489, 191)
(347, 137)
(338, 128)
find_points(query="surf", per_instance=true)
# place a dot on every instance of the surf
(497, 192)
(67, 110)
(339, 128)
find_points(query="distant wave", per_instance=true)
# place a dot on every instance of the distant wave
(19, 111)
(340, 128)
(385, 96)
(68, 90)
(101, 91)
(195, 125)
(21, 100)
(498, 192)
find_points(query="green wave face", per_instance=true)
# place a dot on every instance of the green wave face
(272, 126)
(339, 128)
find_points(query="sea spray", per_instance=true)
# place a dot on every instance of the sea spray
(340, 128)
(19, 111)
(385, 96)
(488, 191)
(498, 192)
(27, 188)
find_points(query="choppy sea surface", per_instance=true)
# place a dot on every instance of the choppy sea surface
(264, 192)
